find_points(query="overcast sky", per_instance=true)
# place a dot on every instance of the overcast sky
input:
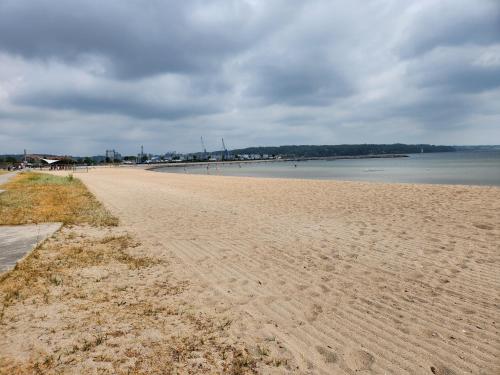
(77, 77)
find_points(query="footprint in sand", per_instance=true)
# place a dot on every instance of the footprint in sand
(312, 315)
(328, 355)
(483, 226)
(433, 239)
(329, 268)
(404, 328)
(442, 370)
(468, 311)
(302, 287)
(431, 251)
(359, 360)
(324, 288)
(453, 272)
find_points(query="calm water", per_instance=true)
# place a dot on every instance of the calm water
(469, 168)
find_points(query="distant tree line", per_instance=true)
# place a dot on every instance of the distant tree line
(8, 159)
(343, 150)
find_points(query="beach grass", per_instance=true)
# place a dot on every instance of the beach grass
(94, 274)
(32, 197)
(49, 265)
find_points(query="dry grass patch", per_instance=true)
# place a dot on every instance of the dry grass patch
(37, 197)
(55, 262)
(86, 301)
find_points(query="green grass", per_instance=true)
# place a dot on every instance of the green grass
(37, 197)
(33, 179)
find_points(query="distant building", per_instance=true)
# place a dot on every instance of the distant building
(156, 159)
(112, 155)
(170, 156)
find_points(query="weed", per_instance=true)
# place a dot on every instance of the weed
(48, 360)
(225, 324)
(55, 280)
(242, 363)
(90, 344)
(262, 351)
(12, 295)
(278, 362)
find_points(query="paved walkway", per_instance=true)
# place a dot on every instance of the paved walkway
(18, 240)
(4, 178)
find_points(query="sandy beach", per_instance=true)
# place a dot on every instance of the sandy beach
(334, 277)
(308, 277)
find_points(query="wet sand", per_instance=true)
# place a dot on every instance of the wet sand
(333, 277)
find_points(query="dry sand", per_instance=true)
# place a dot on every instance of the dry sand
(327, 277)
(340, 276)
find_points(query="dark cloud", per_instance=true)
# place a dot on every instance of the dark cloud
(97, 74)
(457, 71)
(128, 106)
(136, 39)
(140, 102)
(450, 23)
(286, 82)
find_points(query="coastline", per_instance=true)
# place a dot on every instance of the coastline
(230, 162)
(439, 168)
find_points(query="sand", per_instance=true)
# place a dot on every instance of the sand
(338, 277)
(327, 277)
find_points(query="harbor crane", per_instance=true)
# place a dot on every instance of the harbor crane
(226, 153)
(203, 148)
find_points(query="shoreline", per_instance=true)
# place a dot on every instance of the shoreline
(366, 176)
(336, 180)
(229, 162)
(86, 169)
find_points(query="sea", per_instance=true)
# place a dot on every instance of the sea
(456, 168)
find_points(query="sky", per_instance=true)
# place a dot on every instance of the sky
(80, 77)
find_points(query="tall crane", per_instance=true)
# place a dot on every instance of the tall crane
(226, 153)
(203, 147)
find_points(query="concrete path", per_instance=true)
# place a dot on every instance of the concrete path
(4, 178)
(18, 240)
